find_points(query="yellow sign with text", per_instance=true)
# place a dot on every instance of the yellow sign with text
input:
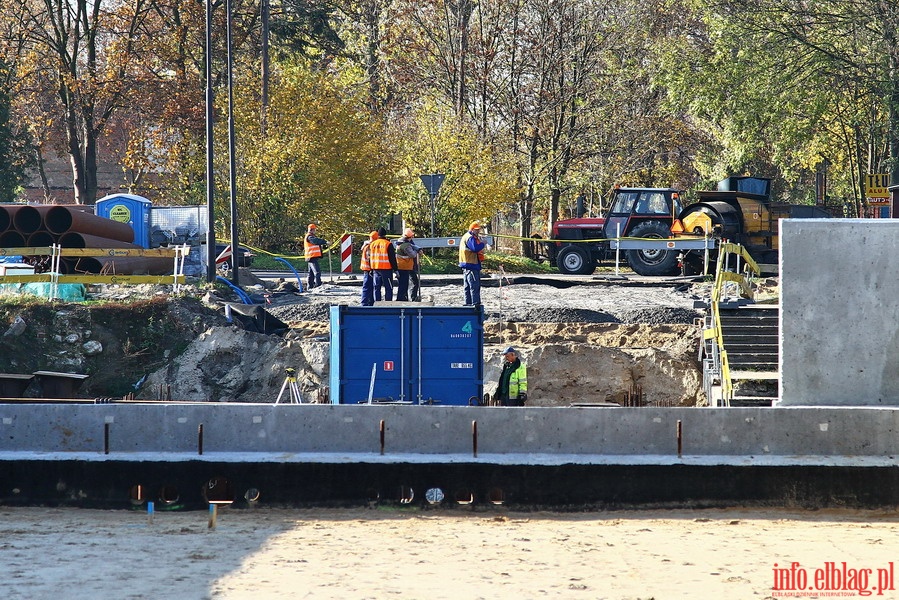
(876, 185)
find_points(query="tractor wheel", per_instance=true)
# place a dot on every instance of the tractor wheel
(652, 262)
(575, 261)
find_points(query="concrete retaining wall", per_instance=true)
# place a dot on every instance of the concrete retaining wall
(526, 432)
(839, 306)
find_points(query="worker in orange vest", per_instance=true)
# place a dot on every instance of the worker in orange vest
(368, 277)
(312, 248)
(471, 255)
(383, 263)
(407, 266)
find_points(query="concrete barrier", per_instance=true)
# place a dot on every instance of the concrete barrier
(123, 455)
(525, 432)
(839, 297)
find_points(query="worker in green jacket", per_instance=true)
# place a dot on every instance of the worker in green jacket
(513, 381)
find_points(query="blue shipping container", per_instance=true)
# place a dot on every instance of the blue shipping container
(415, 355)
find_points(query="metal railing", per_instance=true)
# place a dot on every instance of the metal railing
(734, 262)
(56, 252)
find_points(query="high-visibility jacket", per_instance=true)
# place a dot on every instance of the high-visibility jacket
(312, 247)
(518, 381)
(405, 251)
(380, 257)
(365, 261)
(470, 252)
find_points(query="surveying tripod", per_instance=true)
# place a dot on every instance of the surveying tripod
(290, 382)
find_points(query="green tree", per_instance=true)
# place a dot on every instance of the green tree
(321, 161)
(16, 150)
(83, 49)
(478, 183)
(784, 85)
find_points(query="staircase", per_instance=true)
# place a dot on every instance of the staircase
(751, 333)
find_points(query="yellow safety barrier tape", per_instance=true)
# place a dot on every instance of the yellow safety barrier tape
(364, 235)
(590, 240)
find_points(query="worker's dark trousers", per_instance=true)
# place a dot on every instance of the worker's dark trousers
(384, 278)
(402, 290)
(314, 278)
(471, 284)
(368, 288)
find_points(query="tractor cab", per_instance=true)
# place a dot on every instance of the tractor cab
(583, 243)
(633, 206)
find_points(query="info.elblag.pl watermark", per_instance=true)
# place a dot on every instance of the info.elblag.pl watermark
(832, 579)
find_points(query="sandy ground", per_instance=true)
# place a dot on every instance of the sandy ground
(416, 553)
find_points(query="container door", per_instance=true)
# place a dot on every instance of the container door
(369, 352)
(447, 355)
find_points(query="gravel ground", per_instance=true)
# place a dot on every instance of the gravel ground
(527, 299)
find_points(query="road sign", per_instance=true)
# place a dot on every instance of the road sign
(877, 184)
(433, 182)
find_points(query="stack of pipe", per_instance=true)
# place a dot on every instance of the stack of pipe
(42, 225)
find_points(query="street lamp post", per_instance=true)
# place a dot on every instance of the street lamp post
(210, 176)
(232, 169)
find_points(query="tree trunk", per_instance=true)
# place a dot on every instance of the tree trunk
(525, 216)
(372, 60)
(90, 162)
(893, 127)
(73, 143)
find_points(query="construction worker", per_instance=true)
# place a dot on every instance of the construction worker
(512, 389)
(312, 248)
(383, 263)
(471, 250)
(407, 266)
(368, 278)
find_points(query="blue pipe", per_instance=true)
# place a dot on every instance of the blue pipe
(290, 266)
(240, 293)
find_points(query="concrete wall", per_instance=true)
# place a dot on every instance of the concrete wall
(839, 312)
(525, 432)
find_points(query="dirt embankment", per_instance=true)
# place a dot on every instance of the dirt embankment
(181, 348)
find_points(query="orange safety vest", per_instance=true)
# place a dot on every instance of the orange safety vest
(403, 262)
(311, 250)
(467, 256)
(380, 260)
(365, 261)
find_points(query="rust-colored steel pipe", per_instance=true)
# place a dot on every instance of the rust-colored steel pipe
(41, 239)
(12, 239)
(62, 219)
(74, 239)
(114, 265)
(24, 218)
(126, 265)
